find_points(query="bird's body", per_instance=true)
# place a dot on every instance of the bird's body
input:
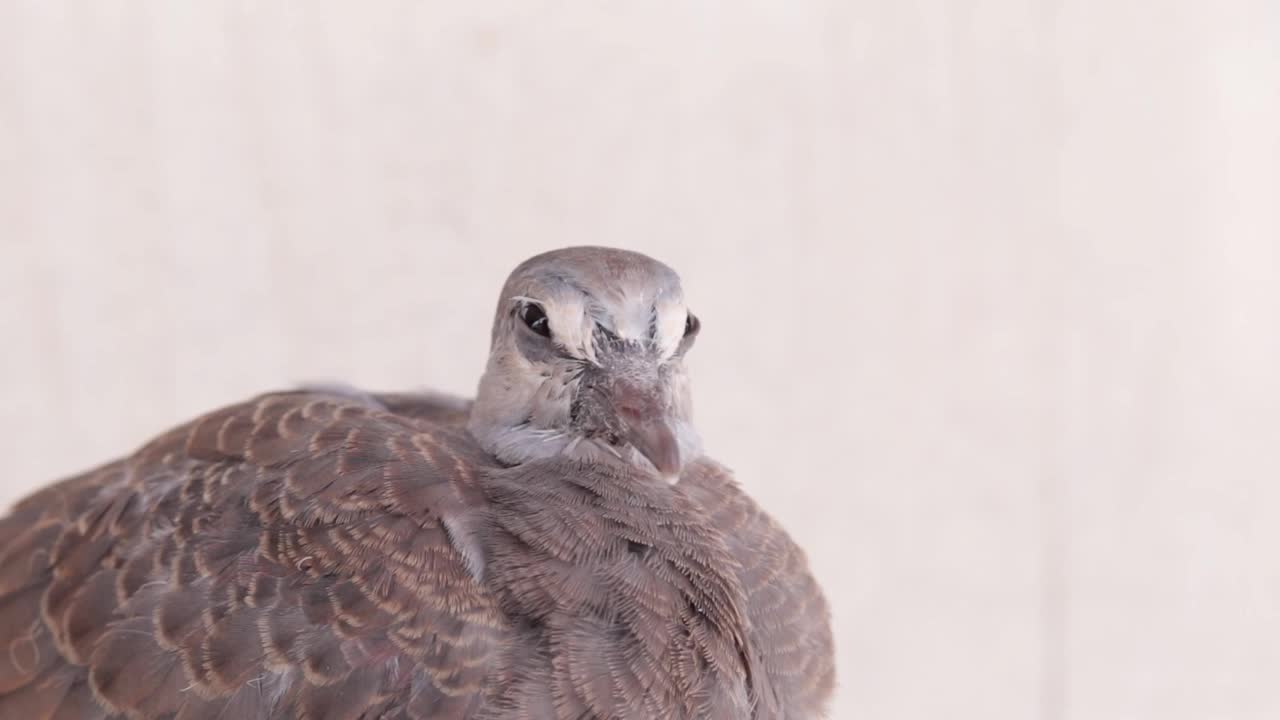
(334, 554)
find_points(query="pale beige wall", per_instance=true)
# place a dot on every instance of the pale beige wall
(990, 294)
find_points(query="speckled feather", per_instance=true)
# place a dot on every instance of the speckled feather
(306, 555)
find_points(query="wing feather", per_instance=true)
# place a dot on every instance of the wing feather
(283, 557)
(343, 556)
(789, 617)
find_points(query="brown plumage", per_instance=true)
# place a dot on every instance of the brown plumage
(333, 554)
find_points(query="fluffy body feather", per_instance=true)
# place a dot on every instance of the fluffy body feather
(340, 555)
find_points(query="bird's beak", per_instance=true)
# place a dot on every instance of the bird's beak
(647, 427)
(656, 441)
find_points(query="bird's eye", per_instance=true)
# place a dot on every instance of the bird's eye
(691, 325)
(535, 318)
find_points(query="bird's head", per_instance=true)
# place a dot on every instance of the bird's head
(587, 361)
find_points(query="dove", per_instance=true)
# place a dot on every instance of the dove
(560, 547)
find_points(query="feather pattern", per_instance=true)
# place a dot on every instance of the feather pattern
(318, 555)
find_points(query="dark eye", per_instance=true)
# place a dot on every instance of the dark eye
(535, 318)
(691, 325)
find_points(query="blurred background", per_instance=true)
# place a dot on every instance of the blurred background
(990, 289)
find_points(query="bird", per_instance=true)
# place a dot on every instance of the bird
(558, 548)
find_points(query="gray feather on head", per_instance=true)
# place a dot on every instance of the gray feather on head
(587, 360)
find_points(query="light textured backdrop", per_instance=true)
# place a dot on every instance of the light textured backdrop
(991, 289)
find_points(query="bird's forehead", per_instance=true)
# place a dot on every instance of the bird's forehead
(641, 312)
(631, 295)
(627, 293)
(630, 307)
